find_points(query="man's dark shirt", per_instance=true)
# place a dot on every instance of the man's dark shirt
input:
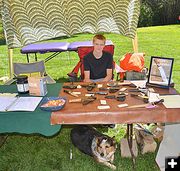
(97, 67)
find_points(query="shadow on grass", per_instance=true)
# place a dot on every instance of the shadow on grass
(2, 41)
(62, 80)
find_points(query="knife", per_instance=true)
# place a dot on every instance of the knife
(71, 93)
(98, 92)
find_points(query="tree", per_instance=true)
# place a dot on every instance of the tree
(162, 12)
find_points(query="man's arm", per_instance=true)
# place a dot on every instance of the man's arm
(87, 76)
(109, 75)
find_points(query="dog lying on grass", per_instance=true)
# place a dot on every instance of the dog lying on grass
(93, 143)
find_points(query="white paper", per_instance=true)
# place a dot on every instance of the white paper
(139, 83)
(103, 102)
(171, 101)
(8, 94)
(99, 85)
(19, 103)
(76, 92)
(153, 97)
(103, 107)
(122, 105)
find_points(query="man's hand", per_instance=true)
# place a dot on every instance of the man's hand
(87, 76)
(87, 80)
(109, 75)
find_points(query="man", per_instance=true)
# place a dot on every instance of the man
(98, 64)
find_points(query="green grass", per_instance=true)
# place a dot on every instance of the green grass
(153, 41)
(37, 153)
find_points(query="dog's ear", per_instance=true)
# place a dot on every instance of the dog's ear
(104, 140)
(112, 141)
(100, 140)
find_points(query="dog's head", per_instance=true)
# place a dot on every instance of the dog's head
(106, 147)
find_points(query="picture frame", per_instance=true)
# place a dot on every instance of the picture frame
(160, 72)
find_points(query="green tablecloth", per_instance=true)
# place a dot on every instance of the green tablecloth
(29, 122)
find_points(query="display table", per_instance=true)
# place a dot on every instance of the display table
(29, 122)
(76, 113)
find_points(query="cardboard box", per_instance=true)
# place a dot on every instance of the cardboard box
(124, 147)
(37, 86)
(158, 132)
(145, 141)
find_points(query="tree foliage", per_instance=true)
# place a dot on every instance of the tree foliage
(159, 12)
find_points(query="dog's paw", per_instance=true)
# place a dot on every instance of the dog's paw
(113, 167)
(110, 165)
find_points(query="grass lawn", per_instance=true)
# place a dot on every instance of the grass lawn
(153, 41)
(38, 153)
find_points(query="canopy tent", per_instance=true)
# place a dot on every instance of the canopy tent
(30, 21)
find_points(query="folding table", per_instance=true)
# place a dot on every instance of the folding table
(37, 121)
(77, 113)
(55, 47)
(75, 45)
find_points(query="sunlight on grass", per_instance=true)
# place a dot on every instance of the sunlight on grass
(153, 41)
(38, 153)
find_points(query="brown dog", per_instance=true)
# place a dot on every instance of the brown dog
(93, 143)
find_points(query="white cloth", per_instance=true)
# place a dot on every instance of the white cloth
(170, 145)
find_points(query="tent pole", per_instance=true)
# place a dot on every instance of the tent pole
(10, 56)
(135, 43)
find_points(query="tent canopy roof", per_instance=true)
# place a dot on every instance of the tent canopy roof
(29, 21)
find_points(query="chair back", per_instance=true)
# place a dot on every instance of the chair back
(29, 68)
(83, 51)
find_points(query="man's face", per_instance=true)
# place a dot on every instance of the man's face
(98, 45)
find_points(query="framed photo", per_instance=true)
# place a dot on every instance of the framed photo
(160, 72)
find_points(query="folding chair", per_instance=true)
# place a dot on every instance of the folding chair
(31, 69)
(83, 51)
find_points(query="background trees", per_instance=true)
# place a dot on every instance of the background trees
(159, 12)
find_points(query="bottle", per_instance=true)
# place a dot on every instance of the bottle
(22, 84)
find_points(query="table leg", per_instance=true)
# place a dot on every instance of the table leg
(27, 57)
(52, 56)
(35, 56)
(130, 142)
(3, 139)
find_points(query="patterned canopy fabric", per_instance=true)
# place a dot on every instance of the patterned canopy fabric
(29, 21)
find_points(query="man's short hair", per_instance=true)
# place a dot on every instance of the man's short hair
(100, 37)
